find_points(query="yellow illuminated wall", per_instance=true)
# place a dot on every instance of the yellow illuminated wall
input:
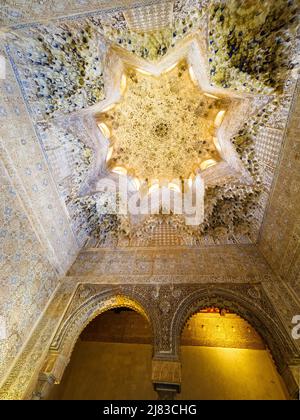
(226, 373)
(223, 357)
(107, 371)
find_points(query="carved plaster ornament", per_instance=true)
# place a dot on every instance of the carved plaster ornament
(164, 129)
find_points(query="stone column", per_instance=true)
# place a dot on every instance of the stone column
(43, 387)
(51, 374)
(291, 377)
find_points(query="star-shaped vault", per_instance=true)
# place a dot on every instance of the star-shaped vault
(164, 127)
(165, 120)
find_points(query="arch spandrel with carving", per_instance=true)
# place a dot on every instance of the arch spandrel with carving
(86, 309)
(88, 302)
(247, 301)
(167, 308)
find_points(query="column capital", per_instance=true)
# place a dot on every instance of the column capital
(166, 378)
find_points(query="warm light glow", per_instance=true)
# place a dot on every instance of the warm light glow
(192, 75)
(219, 118)
(146, 73)
(154, 186)
(190, 180)
(109, 153)
(234, 328)
(207, 164)
(104, 130)
(217, 145)
(119, 170)
(136, 127)
(108, 108)
(174, 187)
(123, 83)
(209, 95)
(170, 68)
(136, 182)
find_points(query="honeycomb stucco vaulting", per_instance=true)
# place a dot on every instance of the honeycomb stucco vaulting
(43, 57)
(57, 57)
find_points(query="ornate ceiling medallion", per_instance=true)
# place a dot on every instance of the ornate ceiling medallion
(163, 126)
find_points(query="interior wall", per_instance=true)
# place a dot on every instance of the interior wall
(280, 236)
(184, 265)
(123, 371)
(213, 330)
(37, 244)
(27, 279)
(226, 373)
(16, 12)
(22, 153)
(119, 326)
(111, 371)
(222, 357)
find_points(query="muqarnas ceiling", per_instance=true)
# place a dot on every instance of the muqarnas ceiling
(251, 48)
(251, 43)
(177, 134)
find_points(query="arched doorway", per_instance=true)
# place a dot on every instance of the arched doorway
(223, 357)
(111, 359)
